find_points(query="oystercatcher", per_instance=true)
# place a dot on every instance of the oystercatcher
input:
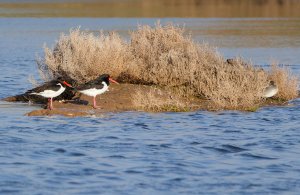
(50, 90)
(271, 90)
(96, 87)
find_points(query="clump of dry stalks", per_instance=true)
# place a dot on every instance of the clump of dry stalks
(157, 100)
(163, 56)
(82, 56)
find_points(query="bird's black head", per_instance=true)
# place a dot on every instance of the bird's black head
(272, 82)
(105, 78)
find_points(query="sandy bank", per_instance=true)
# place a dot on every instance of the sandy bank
(121, 98)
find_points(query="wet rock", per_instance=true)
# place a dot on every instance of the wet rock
(66, 113)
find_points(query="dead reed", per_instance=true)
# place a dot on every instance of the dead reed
(82, 56)
(164, 56)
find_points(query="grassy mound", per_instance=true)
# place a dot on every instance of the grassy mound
(163, 56)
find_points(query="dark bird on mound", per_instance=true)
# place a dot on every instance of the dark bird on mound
(51, 90)
(29, 95)
(96, 87)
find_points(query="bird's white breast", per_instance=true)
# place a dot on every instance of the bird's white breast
(48, 93)
(270, 91)
(93, 91)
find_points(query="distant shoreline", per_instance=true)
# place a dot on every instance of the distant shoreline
(154, 8)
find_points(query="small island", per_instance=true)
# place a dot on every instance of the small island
(160, 70)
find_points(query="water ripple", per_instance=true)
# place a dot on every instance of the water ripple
(225, 149)
(257, 156)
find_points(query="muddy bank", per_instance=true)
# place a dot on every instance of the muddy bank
(119, 98)
(122, 98)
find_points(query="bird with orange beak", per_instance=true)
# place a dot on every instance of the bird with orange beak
(96, 87)
(50, 90)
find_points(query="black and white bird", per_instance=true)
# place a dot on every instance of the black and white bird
(271, 90)
(50, 90)
(96, 87)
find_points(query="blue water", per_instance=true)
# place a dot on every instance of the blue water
(202, 152)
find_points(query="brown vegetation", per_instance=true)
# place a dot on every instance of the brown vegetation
(156, 100)
(82, 56)
(164, 57)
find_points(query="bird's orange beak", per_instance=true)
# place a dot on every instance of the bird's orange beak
(110, 79)
(67, 84)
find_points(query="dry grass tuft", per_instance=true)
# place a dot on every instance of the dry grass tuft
(83, 56)
(286, 82)
(236, 85)
(163, 56)
(156, 100)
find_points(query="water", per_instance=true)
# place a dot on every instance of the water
(200, 152)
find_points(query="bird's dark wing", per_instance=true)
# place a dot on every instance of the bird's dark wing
(93, 82)
(99, 86)
(89, 85)
(47, 85)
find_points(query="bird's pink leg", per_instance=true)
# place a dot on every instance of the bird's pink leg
(51, 105)
(94, 103)
(48, 104)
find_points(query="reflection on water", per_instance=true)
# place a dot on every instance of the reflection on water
(150, 8)
(251, 32)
